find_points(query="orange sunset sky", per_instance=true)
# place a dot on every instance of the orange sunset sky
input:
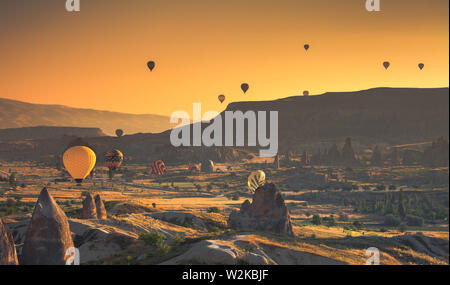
(97, 58)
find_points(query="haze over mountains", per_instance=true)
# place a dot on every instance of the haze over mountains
(16, 114)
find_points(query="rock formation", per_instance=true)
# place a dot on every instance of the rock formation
(394, 157)
(267, 212)
(48, 235)
(437, 154)
(207, 166)
(8, 254)
(277, 162)
(101, 211)
(348, 153)
(306, 158)
(377, 159)
(89, 210)
(411, 156)
(333, 156)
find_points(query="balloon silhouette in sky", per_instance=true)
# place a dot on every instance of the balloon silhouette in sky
(245, 87)
(306, 93)
(119, 133)
(421, 66)
(386, 64)
(79, 162)
(306, 47)
(221, 98)
(151, 65)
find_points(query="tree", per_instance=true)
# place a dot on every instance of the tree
(111, 174)
(12, 180)
(358, 224)
(316, 220)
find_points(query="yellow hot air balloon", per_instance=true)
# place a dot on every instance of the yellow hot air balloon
(256, 180)
(79, 162)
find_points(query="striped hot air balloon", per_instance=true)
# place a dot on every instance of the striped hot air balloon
(158, 168)
(256, 180)
(114, 159)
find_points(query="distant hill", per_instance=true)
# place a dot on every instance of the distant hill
(37, 133)
(16, 114)
(391, 115)
(396, 114)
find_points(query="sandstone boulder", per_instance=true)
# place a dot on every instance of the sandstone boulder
(48, 236)
(8, 254)
(267, 212)
(89, 210)
(100, 207)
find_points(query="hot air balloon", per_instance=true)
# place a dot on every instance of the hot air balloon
(151, 65)
(256, 180)
(119, 133)
(306, 47)
(195, 168)
(221, 98)
(421, 66)
(79, 162)
(306, 93)
(114, 159)
(158, 168)
(386, 64)
(245, 87)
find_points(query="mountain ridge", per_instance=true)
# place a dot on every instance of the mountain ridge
(18, 114)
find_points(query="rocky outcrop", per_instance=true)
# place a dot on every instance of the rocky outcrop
(89, 210)
(394, 157)
(377, 159)
(334, 155)
(434, 247)
(437, 154)
(267, 212)
(181, 219)
(207, 166)
(48, 236)
(411, 156)
(348, 153)
(100, 208)
(238, 250)
(8, 254)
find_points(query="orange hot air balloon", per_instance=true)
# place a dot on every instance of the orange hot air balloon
(79, 162)
(221, 98)
(114, 159)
